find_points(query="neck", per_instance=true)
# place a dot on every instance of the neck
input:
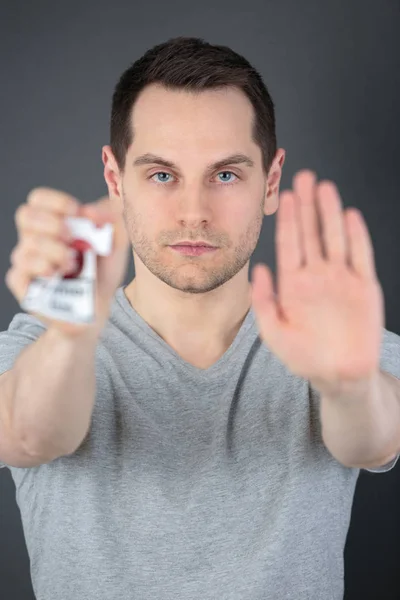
(193, 322)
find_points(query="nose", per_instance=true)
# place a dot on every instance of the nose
(193, 206)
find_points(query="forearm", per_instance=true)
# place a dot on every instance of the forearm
(51, 393)
(361, 426)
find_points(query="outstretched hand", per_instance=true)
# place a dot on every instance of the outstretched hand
(325, 320)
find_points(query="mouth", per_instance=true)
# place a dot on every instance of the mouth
(193, 249)
(194, 244)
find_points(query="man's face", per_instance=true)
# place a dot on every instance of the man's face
(166, 205)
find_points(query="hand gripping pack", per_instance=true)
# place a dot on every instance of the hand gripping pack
(71, 297)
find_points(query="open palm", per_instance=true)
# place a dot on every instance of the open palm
(325, 321)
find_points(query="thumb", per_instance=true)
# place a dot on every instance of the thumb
(101, 211)
(107, 210)
(264, 304)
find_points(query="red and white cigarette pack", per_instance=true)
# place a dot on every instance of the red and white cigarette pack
(71, 297)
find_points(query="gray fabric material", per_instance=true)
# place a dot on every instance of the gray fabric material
(191, 484)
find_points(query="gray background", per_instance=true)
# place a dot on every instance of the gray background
(333, 70)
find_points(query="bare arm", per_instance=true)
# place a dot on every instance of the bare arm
(361, 427)
(48, 396)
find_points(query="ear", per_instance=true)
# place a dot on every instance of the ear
(112, 174)
(273, 182)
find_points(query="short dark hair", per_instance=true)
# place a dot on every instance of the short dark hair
(194, 65)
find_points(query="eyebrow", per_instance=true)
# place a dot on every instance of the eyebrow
(233, 159)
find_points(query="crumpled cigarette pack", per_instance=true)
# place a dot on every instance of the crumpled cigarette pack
(71, 297)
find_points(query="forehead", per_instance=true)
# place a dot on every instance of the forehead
(209, 119)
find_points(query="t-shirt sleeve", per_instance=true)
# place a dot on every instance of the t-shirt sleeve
(22, 331)
(389, 362)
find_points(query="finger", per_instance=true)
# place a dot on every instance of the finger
(101, 211)
(17, 283)
(288, 238)
(34, 265)
(106, 210)
(53, 201)
(332, 223)
(266, 306)
(30, 219)
(305, 192)
(361, 251)
(262, 285)
(56, 252)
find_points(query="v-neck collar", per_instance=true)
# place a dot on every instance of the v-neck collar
(217, 367)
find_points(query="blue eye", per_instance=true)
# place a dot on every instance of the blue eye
(227, 173)
(162, 180)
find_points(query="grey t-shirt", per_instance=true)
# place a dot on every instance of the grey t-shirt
(191, 484)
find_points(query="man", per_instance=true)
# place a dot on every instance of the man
(204, 437)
